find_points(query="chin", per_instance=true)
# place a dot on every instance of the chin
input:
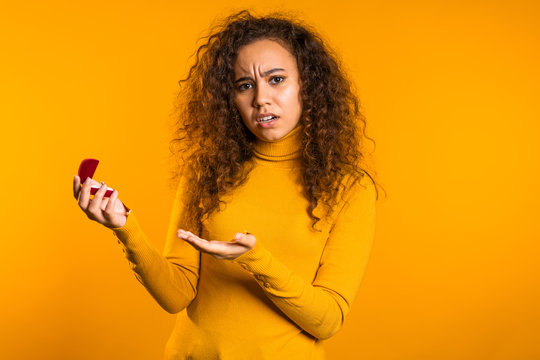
(272, 136)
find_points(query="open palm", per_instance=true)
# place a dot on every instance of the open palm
(229, 250)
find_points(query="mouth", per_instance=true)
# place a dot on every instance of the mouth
(266, 118)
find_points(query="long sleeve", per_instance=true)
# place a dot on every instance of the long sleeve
(171, 278)
(320, 307)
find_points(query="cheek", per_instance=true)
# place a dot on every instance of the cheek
(237, 104)
(242, 105)
(240, 102)
(292, 99)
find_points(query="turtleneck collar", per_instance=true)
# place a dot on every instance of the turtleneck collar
(288, 147)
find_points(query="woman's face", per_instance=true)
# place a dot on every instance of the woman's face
(267, 89)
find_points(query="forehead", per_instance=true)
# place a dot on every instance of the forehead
(263, 55)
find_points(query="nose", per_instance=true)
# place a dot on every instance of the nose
(262, 96)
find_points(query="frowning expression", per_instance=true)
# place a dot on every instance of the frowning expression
(267, 89)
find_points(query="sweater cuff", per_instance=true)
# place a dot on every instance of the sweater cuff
(272, 275)
(255, 260)
(129, 231)
(137, 247)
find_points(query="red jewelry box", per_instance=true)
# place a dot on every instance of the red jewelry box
(86, 170)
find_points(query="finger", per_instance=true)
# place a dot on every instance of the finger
(180, 233)
(109, 209)
(244, 239)
(84, 194)
(249, 240)
(201, 241)
(184, 234)
(76, 186)
(239, 238)
(207, 245)
(104, 203)
(189, 237)
(212, 247)
(95, 205)
(193, 240)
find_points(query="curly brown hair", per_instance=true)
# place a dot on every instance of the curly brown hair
(214, 145)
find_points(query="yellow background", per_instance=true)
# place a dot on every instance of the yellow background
(451, 94)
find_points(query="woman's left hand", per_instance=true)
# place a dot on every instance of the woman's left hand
(228, 250)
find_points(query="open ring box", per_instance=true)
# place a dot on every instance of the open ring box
(87, 170)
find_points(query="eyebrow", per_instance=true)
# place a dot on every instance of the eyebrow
(266, 73)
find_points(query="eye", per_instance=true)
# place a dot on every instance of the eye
(244, 86)
(277, 79)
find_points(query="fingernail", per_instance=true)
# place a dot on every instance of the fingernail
(103, 182)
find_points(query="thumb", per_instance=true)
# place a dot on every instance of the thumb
(238, 237)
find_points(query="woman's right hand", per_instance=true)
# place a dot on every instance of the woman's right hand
(109, 211)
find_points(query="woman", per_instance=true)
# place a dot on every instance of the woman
(273, 220)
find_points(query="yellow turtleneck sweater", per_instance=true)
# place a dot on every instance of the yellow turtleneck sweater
(280, 299)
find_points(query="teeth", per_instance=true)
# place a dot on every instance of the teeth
(267, 118)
